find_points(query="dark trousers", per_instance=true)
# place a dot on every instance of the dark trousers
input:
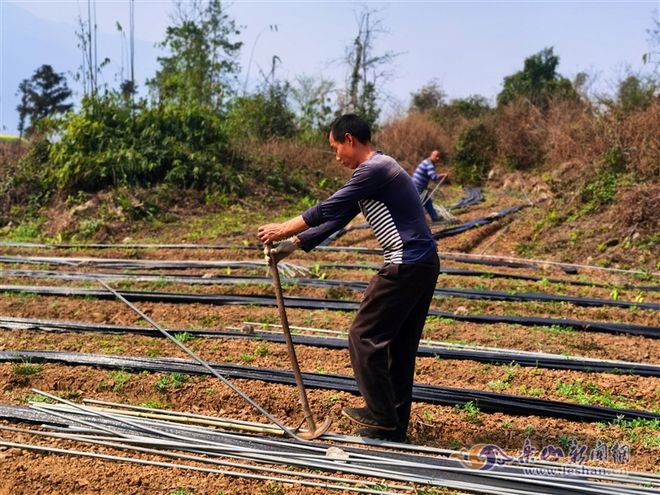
(385, 334)
(428, 206)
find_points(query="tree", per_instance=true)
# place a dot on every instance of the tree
(263, 115)
(367, 71)
(538, 81)
(428, 98)
(44, 94)
(201, 66)
(636, 93)
(471, 107)
(312, 100)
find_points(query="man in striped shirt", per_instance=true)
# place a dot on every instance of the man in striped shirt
(424, 173)
(385, 334)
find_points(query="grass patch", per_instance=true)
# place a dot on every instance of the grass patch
(37, 398)
(183, 337)
(155, 404)
(588, 393)
(25, 368)
(470, 409)
(119, 380)
(505, 382)
(172, 381)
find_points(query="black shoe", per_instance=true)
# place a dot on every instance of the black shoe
(398, 435)
(363, 417)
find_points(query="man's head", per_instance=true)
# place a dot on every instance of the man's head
(435, 156)
(350, 138)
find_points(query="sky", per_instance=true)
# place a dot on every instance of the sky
(466, 47)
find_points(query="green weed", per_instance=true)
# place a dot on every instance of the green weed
(26, 368)
(246, 358)
(119, 380)
(171, 381)
(471, 410)
(155, 404)
(37, 398)
(589, 393)
(183, 337)
(261, 350)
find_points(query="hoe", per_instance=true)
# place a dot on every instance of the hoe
(314, 429)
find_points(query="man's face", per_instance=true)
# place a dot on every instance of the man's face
(435, 157)
(344, 152)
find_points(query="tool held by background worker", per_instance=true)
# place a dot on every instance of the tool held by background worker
(441, 210)
(314, 430)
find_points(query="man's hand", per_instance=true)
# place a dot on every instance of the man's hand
(271, 232)
(281, 251)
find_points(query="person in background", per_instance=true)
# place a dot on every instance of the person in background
(424, 173)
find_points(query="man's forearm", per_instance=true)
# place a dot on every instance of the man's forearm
(294, 226)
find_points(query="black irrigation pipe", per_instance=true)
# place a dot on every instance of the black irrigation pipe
(485, 356)
(519, 263)
(433, 394)
(169, 264)
(479, 222)
(328, 283)
(128, 263)
(330, 304)
(513, 276)
(473, 195)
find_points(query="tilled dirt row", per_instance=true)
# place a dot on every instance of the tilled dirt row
(437, 426)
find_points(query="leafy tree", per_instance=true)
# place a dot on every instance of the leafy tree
(428, 98)
(312, 100)
(538, 81)
(263, 115)
(475, 150)
(635, 93)
(471, 107)
(44, 94)
(201, 67)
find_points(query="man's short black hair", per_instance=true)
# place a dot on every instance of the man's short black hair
(353, 125)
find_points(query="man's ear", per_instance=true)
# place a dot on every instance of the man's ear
(349, 139)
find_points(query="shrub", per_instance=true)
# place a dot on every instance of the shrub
(106, 145)
(475, 150)
(263, 115)
(412, 138)
(600, 191)
(572, 134)
(521, 135)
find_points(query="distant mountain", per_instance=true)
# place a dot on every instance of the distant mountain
(27, 42)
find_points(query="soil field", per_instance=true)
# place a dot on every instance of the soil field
(437, 426)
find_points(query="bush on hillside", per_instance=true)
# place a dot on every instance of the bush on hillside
(26, 185)
(105, 144)
(293, 165)
(521, 135)
(572, 134)
(412, 138)
(475, 151)
(263, 115)
(637, 134)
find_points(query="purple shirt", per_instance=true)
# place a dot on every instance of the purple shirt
(385, 194)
